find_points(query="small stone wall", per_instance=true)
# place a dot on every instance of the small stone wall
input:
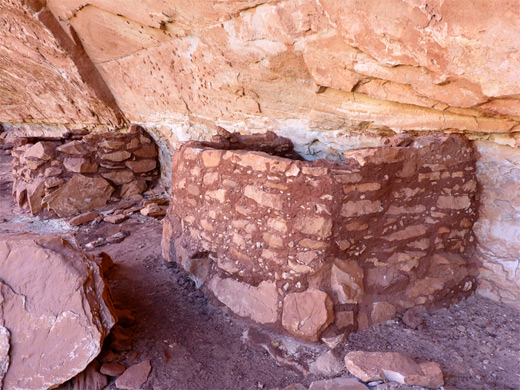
(316, 245)
(82, 171)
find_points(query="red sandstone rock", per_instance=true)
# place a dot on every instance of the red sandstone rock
(112, 369)
(112, 144)
(80, 165)
(53, 171)
(135, 187)
(83, 218)
(135, 376)
(382, 311)
(146, 151)
(35, 194)
(140, 166)
(115, 218)
(41, 150)
(56, 307)
(393, 366)
(346, 281)
(258, 303)
(77, 148)
(153, 210)
(53, 181)
(307, 314)
(116, 156)
(79, 194)
(119, 177)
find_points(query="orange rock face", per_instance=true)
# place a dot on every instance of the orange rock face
(46, 76)
(326, 65)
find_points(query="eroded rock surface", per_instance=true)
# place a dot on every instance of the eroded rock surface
(56, 307)
(46, 75)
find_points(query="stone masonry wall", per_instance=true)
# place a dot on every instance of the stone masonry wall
(82, 171)
(307, 245)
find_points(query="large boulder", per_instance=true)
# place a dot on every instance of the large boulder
(55, 311)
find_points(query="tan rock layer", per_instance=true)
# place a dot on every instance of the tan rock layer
(383, 232)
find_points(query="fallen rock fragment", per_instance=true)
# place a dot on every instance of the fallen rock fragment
(153, 210)
(412, 321)
(333, 337)
(135, 187)
(135, 376)
(338, 384)
(83, 218)
(96, 243)
(56, 306)
(116, 238)
(90, 379)
(395, 367)
(327, 364)
(112, 369)
(116, 218)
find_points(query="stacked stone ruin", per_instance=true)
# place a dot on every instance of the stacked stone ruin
(314, 246)
(82, 171)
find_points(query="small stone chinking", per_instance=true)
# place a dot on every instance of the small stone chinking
(322, 248)
(81, 171)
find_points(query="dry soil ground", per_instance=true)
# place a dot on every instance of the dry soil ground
(194, 343)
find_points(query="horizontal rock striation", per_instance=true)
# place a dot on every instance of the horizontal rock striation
(302, 243)
(47, 77)
(81, 171)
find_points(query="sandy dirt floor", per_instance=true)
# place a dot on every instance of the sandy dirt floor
(195, 343)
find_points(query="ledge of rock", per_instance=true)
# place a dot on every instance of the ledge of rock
(55, 311)
(349, 244)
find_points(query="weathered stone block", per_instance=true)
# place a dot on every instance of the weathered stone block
(258, 303)
(79, 194)
(307, 314)
(121, 155)
(140, 166)
(80, 165)
(346, 281)
(360, 207)
(41, 150)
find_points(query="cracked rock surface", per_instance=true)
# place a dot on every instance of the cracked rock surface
(55, 305)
